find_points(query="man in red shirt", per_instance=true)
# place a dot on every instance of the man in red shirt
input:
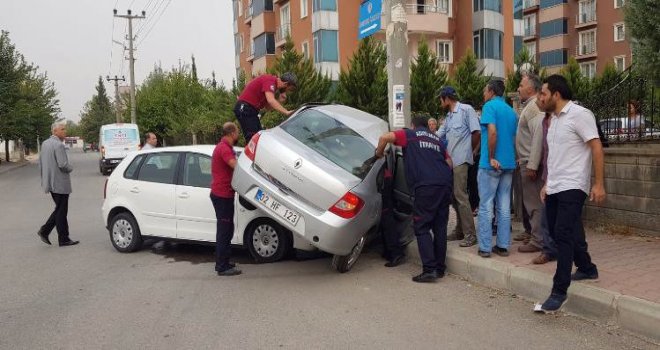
(259, 94)
(222, 196)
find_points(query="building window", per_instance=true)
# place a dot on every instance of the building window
(264, 45)
(620, 63)
(324, 5)
(587, 43)
(554, 27)
(305, 50)
(240, 8)
(531, 49)
(325, 46)
(445, 52)
(490, 5)
(261, 6)
(443, 6)
(587, 12)
(619, 32)
(238, 43)
(553, 58)
(551, 3)
(619, 3)
(530, 3)
(488, 44)
(303, 8)
(588, 69)
(529, 23)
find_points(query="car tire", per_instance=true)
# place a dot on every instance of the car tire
(125, 233)
(344, 263)
(266, 241)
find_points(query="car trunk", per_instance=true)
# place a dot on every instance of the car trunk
(300, 171)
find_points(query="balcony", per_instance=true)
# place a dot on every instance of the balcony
(584, 20)
(529, 33)
(248, 14)
(427, 18)
(249, 53)
(530, 5)
(585, 51)
(281, 34)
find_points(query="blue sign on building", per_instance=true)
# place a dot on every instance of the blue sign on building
(370, 11)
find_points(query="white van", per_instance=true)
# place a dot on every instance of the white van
(115, 142)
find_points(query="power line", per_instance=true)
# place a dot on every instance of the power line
(155, 22)
(145, 24)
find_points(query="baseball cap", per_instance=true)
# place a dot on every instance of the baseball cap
(447, 91)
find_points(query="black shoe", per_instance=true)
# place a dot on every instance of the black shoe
(483, 254)
(44, 238)
(69, 242)
(500, 251)
(232, 271)
(396, 261)
(553, 303)
(426, 277)
(581, 276)
(469, 241)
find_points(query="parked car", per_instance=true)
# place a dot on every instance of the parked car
(620, 129)
(164, 193)
(317, 176)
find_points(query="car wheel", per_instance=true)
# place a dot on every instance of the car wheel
(125, 233)
(344, 263)
(266, 241)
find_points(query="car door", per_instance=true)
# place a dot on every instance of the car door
(153, 194)
(194, 210)
(403, 199)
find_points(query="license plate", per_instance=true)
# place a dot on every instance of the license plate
(267, 201)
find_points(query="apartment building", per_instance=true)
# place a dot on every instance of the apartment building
(327, 31)
(592, 31)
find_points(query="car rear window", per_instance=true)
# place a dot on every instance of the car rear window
(333, 140)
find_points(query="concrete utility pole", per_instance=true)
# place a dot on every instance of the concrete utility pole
(398, 62)
(131, 58)
(117, 105)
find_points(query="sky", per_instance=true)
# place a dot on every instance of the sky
(72, 40)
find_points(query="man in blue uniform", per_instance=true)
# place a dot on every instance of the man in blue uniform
(429, 176)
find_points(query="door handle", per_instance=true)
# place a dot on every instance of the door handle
(184, 195)
(135, 190)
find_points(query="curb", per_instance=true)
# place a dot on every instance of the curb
(584, 300)
(4, 169)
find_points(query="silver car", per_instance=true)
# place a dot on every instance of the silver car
(317, 176)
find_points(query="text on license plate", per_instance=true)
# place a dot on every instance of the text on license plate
(267, 201)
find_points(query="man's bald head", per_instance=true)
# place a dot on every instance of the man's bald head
(229, 128)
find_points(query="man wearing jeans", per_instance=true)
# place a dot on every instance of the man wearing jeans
(223, 163)
(496, 166)
(461, 129)
(572, 144)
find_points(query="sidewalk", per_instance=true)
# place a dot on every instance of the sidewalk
(6, 167)
(626, 295)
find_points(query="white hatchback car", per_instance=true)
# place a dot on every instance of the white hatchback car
(164, 193)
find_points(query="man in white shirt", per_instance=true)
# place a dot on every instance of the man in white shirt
(572, 144)
(150, 141)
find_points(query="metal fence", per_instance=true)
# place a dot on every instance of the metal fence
(629, 111)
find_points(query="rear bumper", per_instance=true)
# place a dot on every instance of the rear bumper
(110, 163)
(321, 228)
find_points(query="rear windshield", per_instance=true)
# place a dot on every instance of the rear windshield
(333, 140)
(120, 137)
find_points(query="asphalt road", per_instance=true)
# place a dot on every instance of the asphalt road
(91, 297)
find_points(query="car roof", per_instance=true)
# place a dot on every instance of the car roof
(368, 125)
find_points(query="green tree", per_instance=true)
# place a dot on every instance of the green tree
(607, 80)
(578, 83)
(364, 84)
(28, 100)
(641, 17)
(238, 84)
(97, 112)
(427, 76)
(524, 62)
(469, 81)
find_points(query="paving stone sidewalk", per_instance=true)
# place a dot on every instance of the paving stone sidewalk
(6, 167)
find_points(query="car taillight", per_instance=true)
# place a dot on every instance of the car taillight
(105, 188)
(348, 206)
(251, 149)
